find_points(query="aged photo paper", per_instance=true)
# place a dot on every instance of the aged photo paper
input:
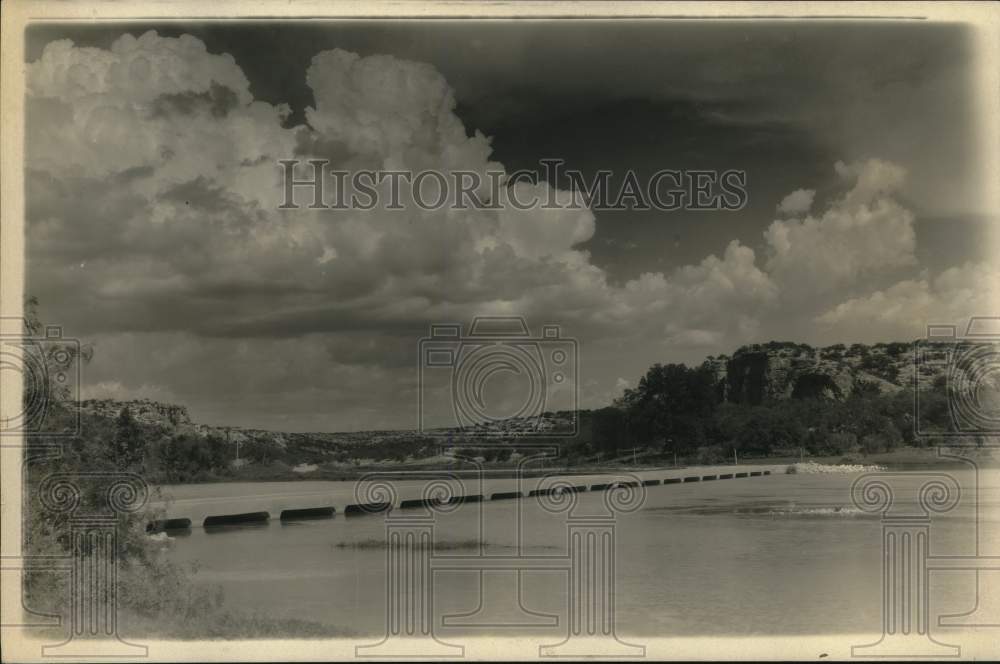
(499, 331)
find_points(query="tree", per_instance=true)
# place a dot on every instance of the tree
(671, 403)
(608, 429)
(127, 447)
(764, 429)
(187, 457)
(44, 394)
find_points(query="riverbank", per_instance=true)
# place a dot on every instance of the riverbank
(911, 458)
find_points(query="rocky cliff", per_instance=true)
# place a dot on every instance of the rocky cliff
(143, 410)
(783, 370)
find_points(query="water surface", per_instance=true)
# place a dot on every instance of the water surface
(786, 554)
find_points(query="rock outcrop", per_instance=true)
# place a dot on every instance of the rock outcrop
(783, 370)
(143, 410)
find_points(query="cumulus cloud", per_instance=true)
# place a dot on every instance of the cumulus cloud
(191, 215)
(873, 178)
(863, 232)
(397, 111)
(100, 112)
(154, 229)
(798, 202)
(905, 309)
(542, 232)
(137, 70)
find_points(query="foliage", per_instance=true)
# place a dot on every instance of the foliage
(674, 408)
(882, 365)
(183, 457)
(671, 404)
(609, 430)
(126, 447)
(152, 592)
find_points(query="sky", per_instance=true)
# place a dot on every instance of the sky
(153, 228)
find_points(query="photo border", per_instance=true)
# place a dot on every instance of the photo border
(983, 18)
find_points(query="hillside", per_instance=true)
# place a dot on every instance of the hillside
(753, 375)
(781, 370)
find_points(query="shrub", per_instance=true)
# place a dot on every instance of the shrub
(710, 454)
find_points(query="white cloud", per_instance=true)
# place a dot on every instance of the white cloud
(397, 111)
(864, 232)
(154, 225)
(798, 202)
(873, 178)
(133, 70)
(904, 310)
(98, 112)
(541, 232)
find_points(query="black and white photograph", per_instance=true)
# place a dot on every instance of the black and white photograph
(457, 330)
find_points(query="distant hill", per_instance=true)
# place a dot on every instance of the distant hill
(172, 416)
(752, 375)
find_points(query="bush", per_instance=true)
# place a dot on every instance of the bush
(710, 454)
(884, 441)
(842, 443)
(881, 365)
(149, 588)
(156, 597)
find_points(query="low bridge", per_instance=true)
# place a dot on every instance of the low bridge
(212, 504)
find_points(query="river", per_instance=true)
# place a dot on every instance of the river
(781, 555)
